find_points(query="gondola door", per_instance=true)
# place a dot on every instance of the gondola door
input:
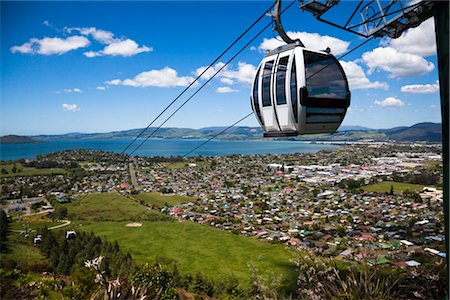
(269, 116)
(281, 94)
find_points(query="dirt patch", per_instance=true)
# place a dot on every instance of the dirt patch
(133, 225)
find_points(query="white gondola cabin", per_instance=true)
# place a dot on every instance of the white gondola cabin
(299, 91)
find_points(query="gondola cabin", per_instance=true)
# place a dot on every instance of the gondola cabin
(71, 235)
(299, 91)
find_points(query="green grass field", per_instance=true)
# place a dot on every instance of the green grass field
(22, 251)
(110, 207)
(159, 201)
(199, 249)
(25, 171)
(33, 224)
(385, 187)
(192, 247)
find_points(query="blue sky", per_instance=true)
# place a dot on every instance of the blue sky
(104, 66)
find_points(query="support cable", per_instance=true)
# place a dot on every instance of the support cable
(206, 82)
(197, 78)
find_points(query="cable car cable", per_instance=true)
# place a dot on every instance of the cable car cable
(205, 142)
(206, 82)
(342, 56)
(219, 133)
(197, 78)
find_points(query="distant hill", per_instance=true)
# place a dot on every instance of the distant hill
(16, 139)
(430, 132)
(427, 132)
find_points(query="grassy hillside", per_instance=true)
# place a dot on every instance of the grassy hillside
(199, 249)
(157, 200)
(194, 248)
(110, 207)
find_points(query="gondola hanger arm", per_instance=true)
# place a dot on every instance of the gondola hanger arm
(276, 16)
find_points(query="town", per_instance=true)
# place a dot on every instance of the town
(363, 203)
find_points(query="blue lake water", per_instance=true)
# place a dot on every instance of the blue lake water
(162, 147)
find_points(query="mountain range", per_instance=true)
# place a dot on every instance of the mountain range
(427, 132)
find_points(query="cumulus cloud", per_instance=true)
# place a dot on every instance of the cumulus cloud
(396, 63)
(70, 107)
(225, 90)
(421, 88)
(243, 74)
(102, 36)
(357, 78)
(114, 46)
(227, 81)
(419, 41)
(101, 88)
(209, 72)
(166, 77)
(123, 48)
(390, 103)
(311, 40)
(51, 46)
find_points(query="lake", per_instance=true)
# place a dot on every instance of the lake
(163, 147)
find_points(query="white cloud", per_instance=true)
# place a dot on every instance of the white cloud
(68, 91)
(357, 78)
(227, 81)
(311, 40)
(102, 36)
(166, 77)
(225, 90)
(101, 88)
(253, 48)
(396, 63)
(419, 41)
(243, 74)
(91, 54)
(114, 82)
(51, 46)
(114, 46)
(70, 107)
(123, 48)
(210, 72)
(390, 103)
(421, 88)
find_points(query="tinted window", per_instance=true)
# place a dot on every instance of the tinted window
(294, 90)
(255, 97)
(281, 80)
(324, 78)
(267, 74)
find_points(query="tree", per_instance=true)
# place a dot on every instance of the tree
(154, 282)
(391, 191)
(4, 172)
(4, 222)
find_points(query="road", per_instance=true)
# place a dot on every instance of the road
(65, 223)
(134, 181)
